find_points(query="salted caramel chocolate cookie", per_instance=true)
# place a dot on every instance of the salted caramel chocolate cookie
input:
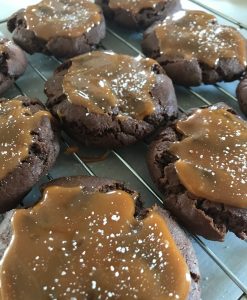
(63, 28)
(138, 14)
(199, 164)
(28, 147)
(12, 63)
(193, 48)
(90, 238)
(242, 95)
(110, 100)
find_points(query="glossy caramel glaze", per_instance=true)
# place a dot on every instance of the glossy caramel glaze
(75, 245)
(196, 35)
(64, 18)
(213, 155)
(106, 82)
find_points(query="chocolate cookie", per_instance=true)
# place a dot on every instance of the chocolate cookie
(193, 48)
(12, 63)
(94, 236)
(138, 14)
(28, 147)
(110, 100)
(199, 164)
(242, 95)
(63, 28)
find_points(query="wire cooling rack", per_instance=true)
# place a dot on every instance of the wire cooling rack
(223, 265)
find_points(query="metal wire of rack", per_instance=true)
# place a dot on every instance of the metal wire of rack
(223, 266)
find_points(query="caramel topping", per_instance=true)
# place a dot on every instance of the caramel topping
(105, 82)
(66, 18)
(133, 5)
(213, 156)
(16, 125)
(74, 245)
(196, 35)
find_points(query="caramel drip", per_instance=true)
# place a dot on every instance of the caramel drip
(105, 82)
(74, 245)
(213, 156)
(196, 35)
(16, 125)
(2, 48)
(92, 159)
(65, 18)
(134, 6)
(87, 159)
